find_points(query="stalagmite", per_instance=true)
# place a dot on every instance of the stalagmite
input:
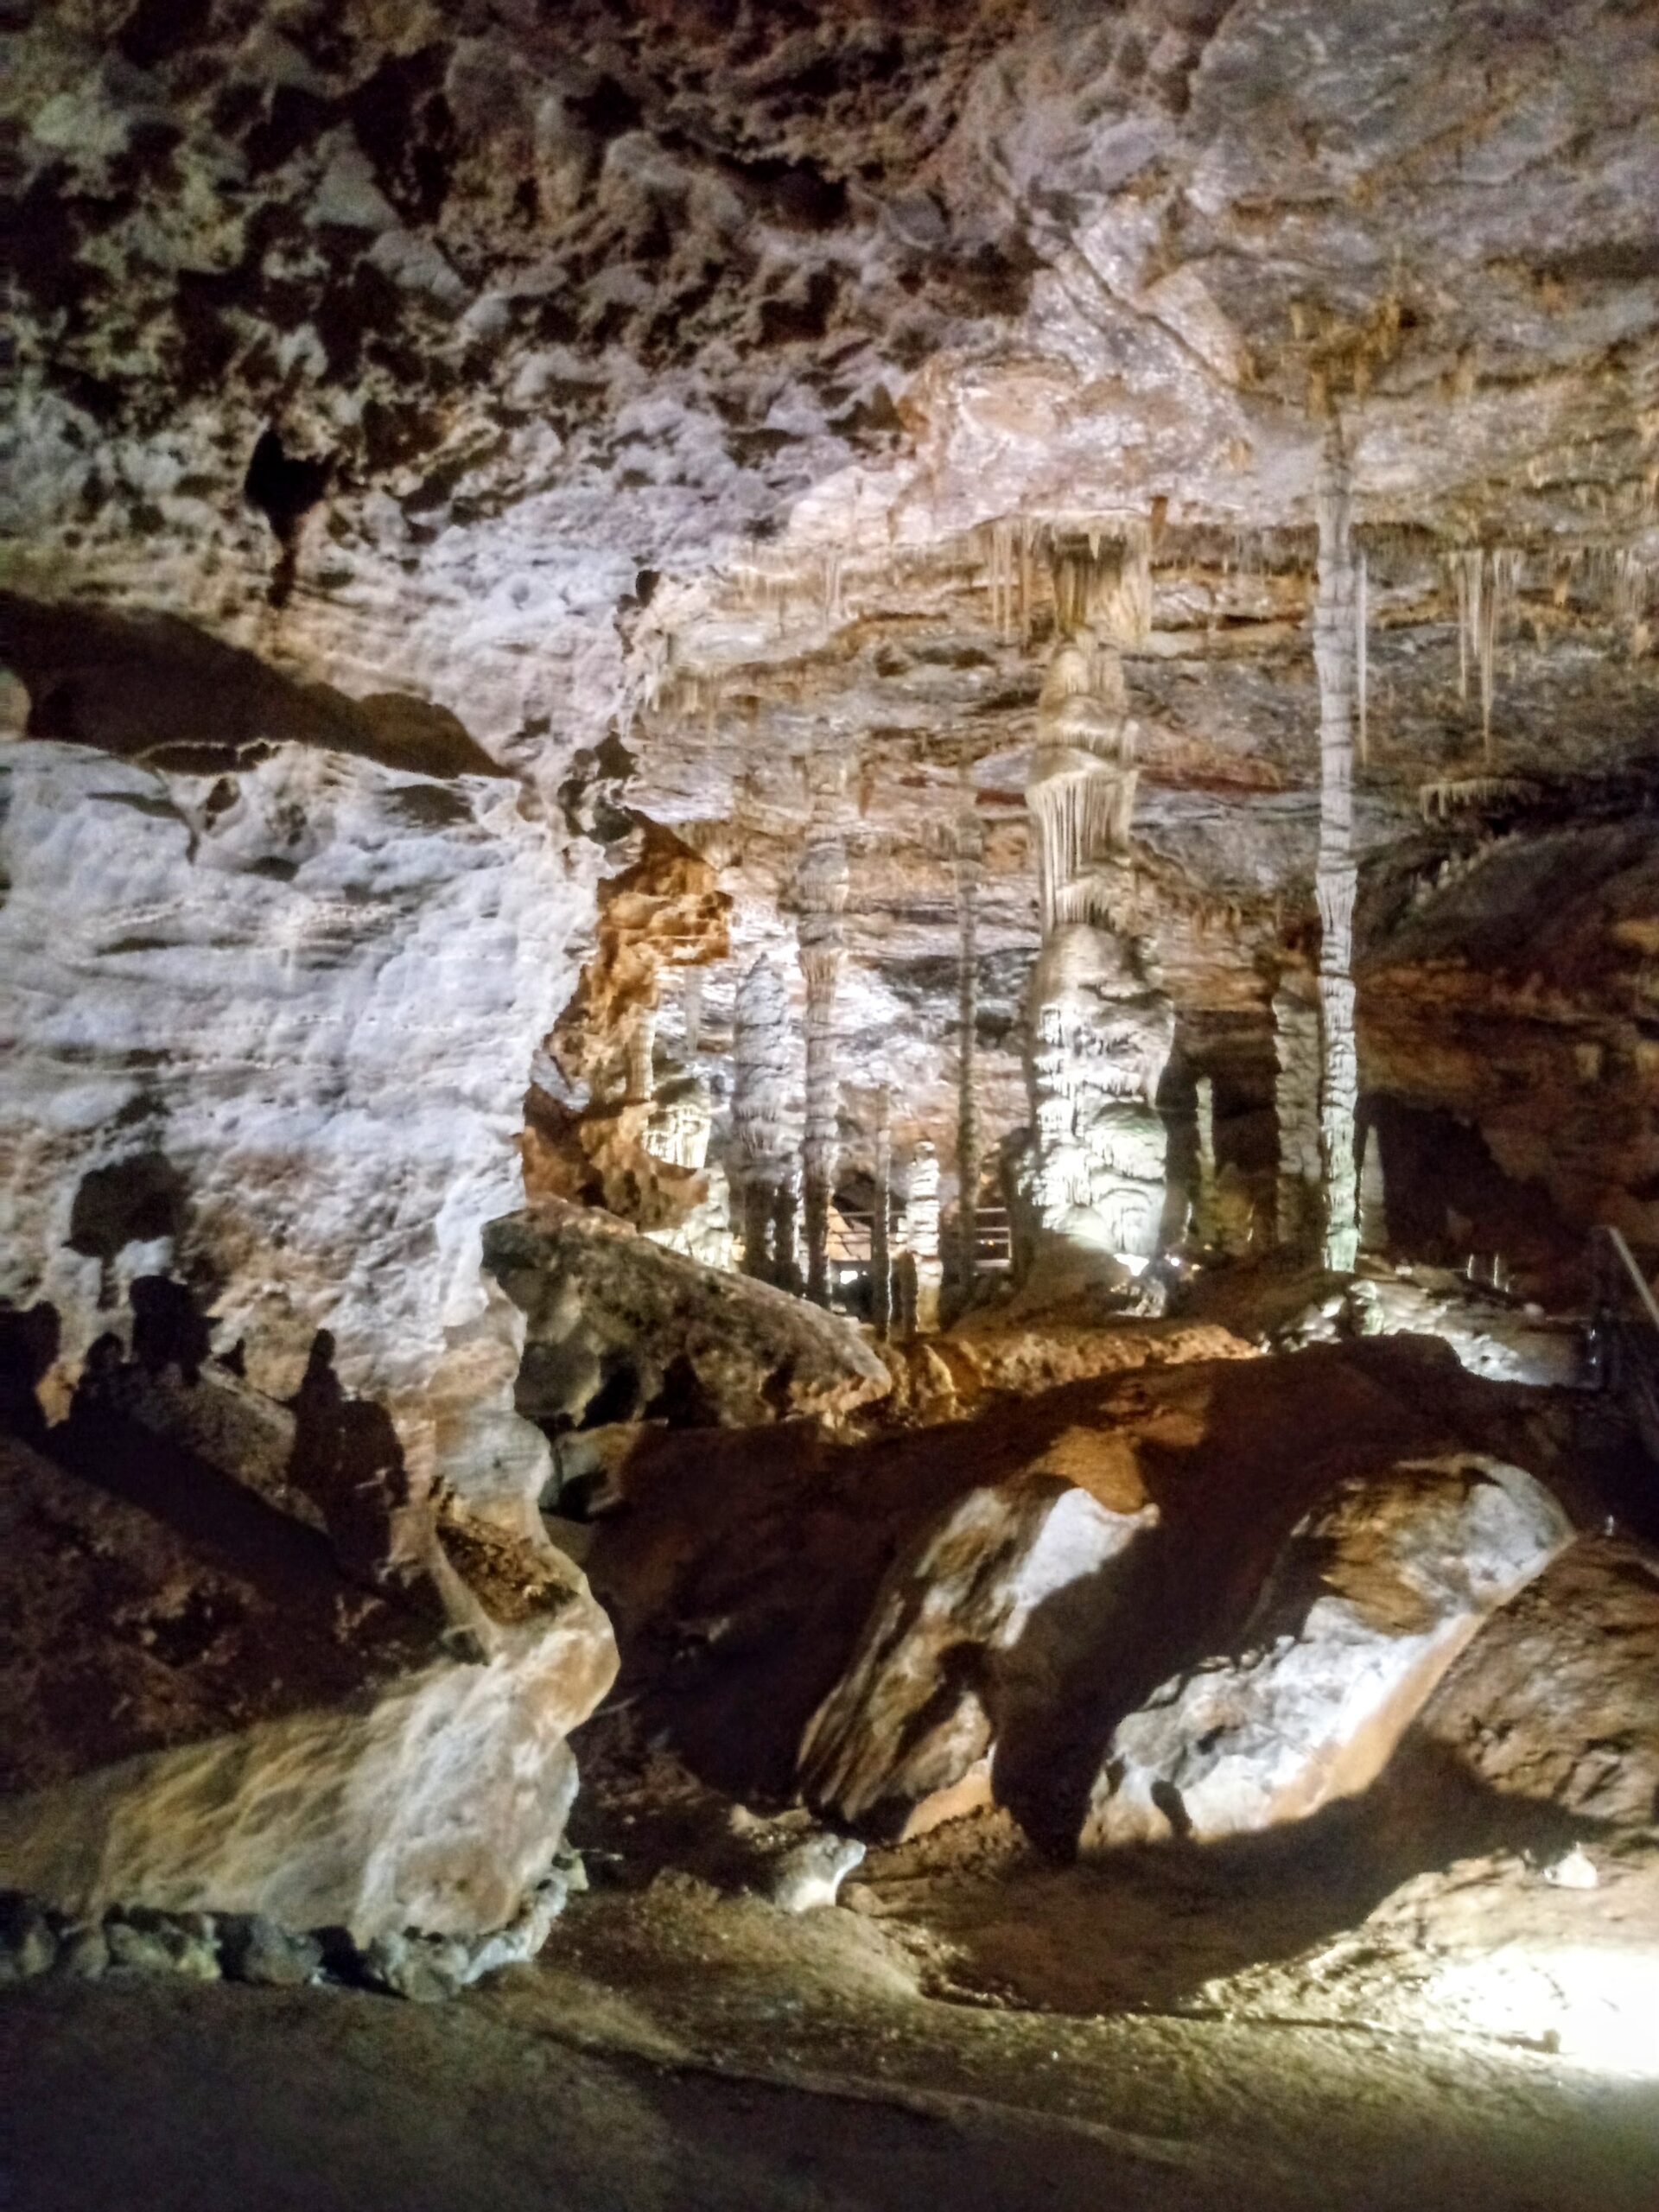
(970, 850)
(1335, 878)
(1296, 1109)
(1373, 1194)
(1204, 1206)
(922, 1220)
(822, 887)
(1361, 655)
(881, 1211)
(691, 1008)
(1100, 1023)
(762, 1055)
(642, 1048)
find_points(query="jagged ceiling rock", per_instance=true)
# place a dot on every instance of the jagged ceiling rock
(669, 394)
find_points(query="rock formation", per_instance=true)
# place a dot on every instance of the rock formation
(1375, 1596)
(822, 893)
(1335, 878)
(619, 1329)
(970, 855)
(763, 1073)
(1101, 1024)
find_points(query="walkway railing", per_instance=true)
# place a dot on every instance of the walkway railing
(1625, 1330)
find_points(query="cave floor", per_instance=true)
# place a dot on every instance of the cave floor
(975, 2030)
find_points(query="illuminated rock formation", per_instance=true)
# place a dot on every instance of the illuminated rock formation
(763, 1071)
(821, 890)
(970, 855)
(922, 1229)
(1296, 1109)
(1335, 878)
(1101, 1025)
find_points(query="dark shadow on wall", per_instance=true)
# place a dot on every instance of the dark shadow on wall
(129, 684)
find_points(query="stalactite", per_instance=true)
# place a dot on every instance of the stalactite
(970, 851)
(1487, 581)
(881, 1211)
(821, 888)
(1335, 878)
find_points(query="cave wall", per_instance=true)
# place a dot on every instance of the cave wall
(267, 1031)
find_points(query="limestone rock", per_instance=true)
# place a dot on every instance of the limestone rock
(975, 1629)
(616, 1322)
(274, 1046)
(1552, 1706)
(1377, 1592)
(437, 1805)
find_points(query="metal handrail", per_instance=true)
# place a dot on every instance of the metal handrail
(1614, 1239)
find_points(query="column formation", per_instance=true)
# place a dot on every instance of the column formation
(922, 1223)
(1100, 1025)
(821, 891)
(1296, 1109)
(1336, 877)
(1205, 1227)
(880, 1213)
(641, 1077)
(970, 855)
(760, 1082)
(1373, 1194)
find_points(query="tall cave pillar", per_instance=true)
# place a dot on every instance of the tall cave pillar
(1296, 1215)
(1205, 1227)
(970, 854)
(822, 887)
(763, 1168)
(1335, 877)
(880, 1217)
(922, 1223)
(1100, 1023)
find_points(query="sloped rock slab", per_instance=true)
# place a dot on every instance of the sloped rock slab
(620, 1328)
(1378, 1590)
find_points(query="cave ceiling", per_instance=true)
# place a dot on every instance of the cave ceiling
(673, 392)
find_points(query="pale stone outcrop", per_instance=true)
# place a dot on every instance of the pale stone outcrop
(267, 1030)
(618, 1327)
(1377, 1591)
(439, 1807)
(980, 1623)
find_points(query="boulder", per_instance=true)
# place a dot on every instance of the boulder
(1378, 1590)
(212, 1717)
(437, 1806)
(619, 1328)
(1554, 1706)
(978, 1628)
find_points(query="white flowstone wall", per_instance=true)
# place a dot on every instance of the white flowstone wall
(283, 1019)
